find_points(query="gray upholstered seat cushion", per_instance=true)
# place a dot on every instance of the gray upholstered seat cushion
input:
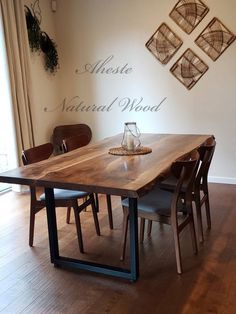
(61, 194)
(155, 202)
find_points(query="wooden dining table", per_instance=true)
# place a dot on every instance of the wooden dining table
(93, 169)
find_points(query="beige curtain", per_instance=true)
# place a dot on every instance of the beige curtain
(19, 70)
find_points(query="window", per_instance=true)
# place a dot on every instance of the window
(8, 155)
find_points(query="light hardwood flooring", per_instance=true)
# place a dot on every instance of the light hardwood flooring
(30, 284)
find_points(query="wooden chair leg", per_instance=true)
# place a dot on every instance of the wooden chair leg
(177, 251)
(31, 227)
(125, 232)
(84, 200)
(199, 216)
(68, 215)
(95, 216)
(207, 205)
(205, 200)
(109, 210)
(193, 235)
(208, 213)
(149, 229)
(142, 227)
(78, 229)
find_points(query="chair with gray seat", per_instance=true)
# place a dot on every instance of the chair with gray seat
(200, 193)
(63, 198)
(72, 143)
(166, 206)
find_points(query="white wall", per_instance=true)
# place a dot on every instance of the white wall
(92, 30)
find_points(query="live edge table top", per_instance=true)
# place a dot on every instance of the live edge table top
(93, 169)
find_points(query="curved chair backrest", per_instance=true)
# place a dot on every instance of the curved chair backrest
(184, 169)
(206, 152)
(37, 153)
(74, 142)
(65, 131)
(188, 162)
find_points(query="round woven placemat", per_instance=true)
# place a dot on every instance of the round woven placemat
(123, 152)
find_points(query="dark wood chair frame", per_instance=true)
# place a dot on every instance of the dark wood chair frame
(200, 194)
(61, 132)
(40, 153)
(74, 142)
(184, 170)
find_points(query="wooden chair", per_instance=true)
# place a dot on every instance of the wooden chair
(200, 194)
(75, 142)
(65, 131)
(165, 206)
(63, 198)
(84, 134)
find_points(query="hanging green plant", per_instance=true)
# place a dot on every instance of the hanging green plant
(33, 29)
(39, 40)
(48, 47)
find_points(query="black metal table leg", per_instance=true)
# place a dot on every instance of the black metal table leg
(109, 209)
(134, 251)
(71, 263)
(52, 224)
(97, 202)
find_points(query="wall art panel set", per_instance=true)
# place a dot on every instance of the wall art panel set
(213, 40)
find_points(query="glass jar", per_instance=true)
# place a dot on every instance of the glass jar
(131, 136)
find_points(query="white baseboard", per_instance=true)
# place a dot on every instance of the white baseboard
(225, 180)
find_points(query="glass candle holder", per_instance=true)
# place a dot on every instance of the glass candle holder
(131, 136)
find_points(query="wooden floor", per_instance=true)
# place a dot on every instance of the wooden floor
(30, 284)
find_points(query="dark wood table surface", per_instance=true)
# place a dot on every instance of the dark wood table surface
(93, 169)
